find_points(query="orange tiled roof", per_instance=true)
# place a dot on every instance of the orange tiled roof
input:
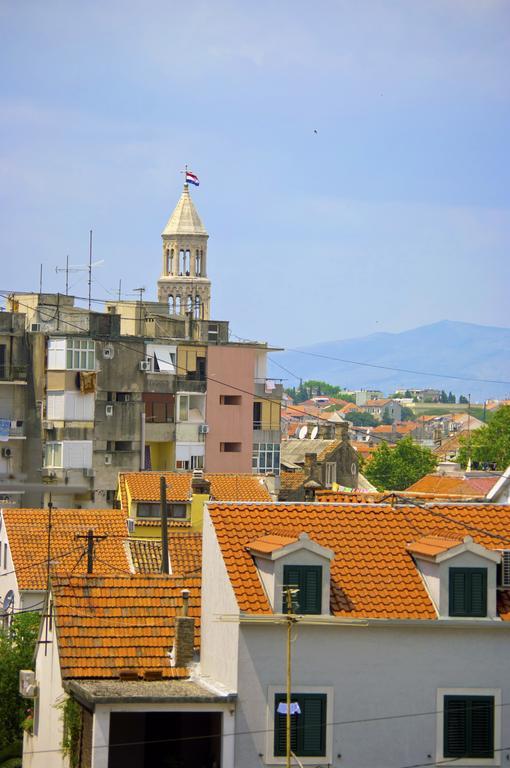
(372, 573)
(348, 497)
(378, 402)
(432, 545)
(291, 481)
(184, 549)
(144, 486)
(328, 449)
(453, 485)
(27, 531)
(105, 624)
(270, 543)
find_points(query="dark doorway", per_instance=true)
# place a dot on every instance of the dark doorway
(165, 740)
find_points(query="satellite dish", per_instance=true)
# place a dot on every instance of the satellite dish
(302, 432)
(8, 600)
(314, 433)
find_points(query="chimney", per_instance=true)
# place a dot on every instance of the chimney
(200, 494)
(342, 431)
(199, 484)
(184, 642)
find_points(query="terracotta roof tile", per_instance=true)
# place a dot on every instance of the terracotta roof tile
(105, 624)
(184, 549)
(144, 486)
(372, 574)
(453, 485)
(291, 480)
(432, 545)
(27, 531)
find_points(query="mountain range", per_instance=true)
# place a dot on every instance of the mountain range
(428, 356)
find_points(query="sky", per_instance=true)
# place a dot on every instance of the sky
(353, 155)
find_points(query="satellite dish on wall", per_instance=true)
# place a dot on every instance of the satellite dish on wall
(302, 432)
(314, 433)
(8, 600)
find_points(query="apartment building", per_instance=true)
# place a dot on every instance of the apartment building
(142, 385)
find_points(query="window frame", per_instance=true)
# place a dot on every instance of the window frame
(304, 572)
(495, 694)
(309, 760)
(78, 348)
(300, 747)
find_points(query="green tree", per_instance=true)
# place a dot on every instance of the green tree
(463, 400)
(407, 414)
(451, 397)
(490, 443)
(394, 469)
(17, 646)
(361, 419)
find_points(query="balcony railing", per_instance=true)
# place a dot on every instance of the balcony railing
(183, 384)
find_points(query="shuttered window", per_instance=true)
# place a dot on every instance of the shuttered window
(308, 729)
(468, 592)
(308, 580)
(469, 726)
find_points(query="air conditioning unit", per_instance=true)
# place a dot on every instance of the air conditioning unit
(35, 327)
(27, 685)
(48, 425)
(145, 365)
(7, 453)
(130, 525)
(109, 410)
(108, 458)
(203, 429)
(89, 472)
(108, 352)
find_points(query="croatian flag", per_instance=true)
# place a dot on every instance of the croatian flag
(192, 179)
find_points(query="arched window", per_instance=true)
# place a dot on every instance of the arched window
(198, 264)
(197, 307)
(189, 306)
(186, 262)
(171, 262)
(177, 305)
(181, 262)
(171, 304)
(167, 254)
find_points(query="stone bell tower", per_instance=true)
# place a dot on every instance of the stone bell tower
(183, 282)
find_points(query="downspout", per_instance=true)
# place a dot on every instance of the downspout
(142, 441)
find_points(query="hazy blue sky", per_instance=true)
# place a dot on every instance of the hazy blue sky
(394, 214)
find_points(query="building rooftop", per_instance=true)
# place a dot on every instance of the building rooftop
(27, 531)
(184, 219)
(106, 624)
(184, 551)
(373, 574)
(458, 485)
(147, 691)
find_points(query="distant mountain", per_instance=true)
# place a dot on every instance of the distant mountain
(446, 348)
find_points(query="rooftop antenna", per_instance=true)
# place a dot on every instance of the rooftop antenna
(79, 268)
(120, 289)
(40, 280)
(141, 291)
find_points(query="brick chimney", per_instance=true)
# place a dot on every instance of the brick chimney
(184, 643)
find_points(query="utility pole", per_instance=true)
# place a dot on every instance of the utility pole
(89, 536)
(291, 620)
(90, 267)
(165, 565)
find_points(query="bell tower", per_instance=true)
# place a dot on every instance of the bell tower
(183, 282)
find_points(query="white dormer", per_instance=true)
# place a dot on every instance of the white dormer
(295, 561)
(460, 576)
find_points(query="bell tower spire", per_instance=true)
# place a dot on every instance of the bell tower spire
(183, 282)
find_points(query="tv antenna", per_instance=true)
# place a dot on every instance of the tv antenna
(70, 268)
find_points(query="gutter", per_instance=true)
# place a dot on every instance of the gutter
(340, 621)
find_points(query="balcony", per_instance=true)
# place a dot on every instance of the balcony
(13, 374)
(183, 384)
(268, 388)
(12, 429)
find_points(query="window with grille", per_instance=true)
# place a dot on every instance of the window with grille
(468, 726)
(504, 569)
(308, 728)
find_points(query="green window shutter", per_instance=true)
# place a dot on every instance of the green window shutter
(481, 726)
(455, 727)
(469, 726)
(313, 730)
(467, 592)
(308, 580)
(308, 729)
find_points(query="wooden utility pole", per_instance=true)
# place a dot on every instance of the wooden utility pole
(291, 619)
(165, 565)
(89, 536)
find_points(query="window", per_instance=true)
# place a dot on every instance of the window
(53, 455)
(213, 333)
(330, 473)
(123, 445)
(80, 355)
(230, 399)
(308, 728)
(123, 397)
(308, 580)
(230, 447)
(148, 510)
(468, 726)
(177, 511)
(159, 408)
(504, 569)
(193, 462)
(183, 407)
(266, 458)
(161, 357)
(467, 592)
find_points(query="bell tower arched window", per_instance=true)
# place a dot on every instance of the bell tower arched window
(177, 305)
(197, 307)
(198, 263)
(187, 259)
(181, 262)
(171, 304)
(189, 306)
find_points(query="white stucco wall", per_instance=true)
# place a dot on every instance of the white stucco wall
(219, 649)
(43, 749)
(391, 672)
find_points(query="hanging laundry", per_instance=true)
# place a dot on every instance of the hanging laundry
(87, 382)
(295, 709)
